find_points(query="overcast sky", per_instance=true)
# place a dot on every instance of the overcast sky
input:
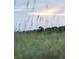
(26, 13)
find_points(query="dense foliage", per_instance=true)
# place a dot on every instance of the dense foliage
(49, 29)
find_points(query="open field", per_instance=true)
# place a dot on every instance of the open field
(39, 45)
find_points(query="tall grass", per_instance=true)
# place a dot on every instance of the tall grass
(39, 45)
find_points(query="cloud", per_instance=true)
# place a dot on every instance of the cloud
(48, 11)
(48, 14)
(19, 8)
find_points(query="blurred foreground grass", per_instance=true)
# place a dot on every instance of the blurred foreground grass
(39, 45)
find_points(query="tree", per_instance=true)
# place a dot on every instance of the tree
(41, 28)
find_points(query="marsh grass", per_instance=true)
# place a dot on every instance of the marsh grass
(39, 45)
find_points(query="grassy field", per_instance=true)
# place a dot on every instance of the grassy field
(39, 45)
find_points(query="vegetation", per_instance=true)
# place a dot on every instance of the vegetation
(53, 29)
(40, 44)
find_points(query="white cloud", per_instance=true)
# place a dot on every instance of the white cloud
(48, 11)
(18, 9)
(49, 14)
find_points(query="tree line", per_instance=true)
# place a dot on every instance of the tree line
(53, 29)
(61, 28)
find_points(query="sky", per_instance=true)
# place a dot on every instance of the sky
(30, 14)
